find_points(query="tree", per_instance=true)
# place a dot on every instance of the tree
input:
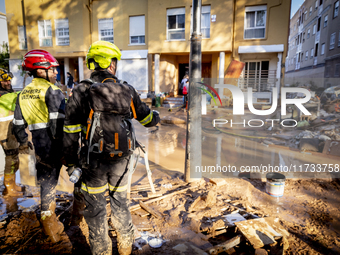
(23, 73)
(4, 56)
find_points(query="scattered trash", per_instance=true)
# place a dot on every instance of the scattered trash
(155, 242)
(232, 218)
(167, 186)
(303, 123)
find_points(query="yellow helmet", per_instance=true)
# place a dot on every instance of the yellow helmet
(5, 75)
(101, 52)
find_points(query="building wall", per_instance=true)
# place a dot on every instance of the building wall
(277, 23)
(75, 11)
(4, 31)
(220, 31)
(324, 64)
(226, 33)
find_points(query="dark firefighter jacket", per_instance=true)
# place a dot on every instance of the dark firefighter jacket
(5, 91)
(78, 109)
(41, 107)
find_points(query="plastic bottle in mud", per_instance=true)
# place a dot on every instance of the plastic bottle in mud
(75, 175)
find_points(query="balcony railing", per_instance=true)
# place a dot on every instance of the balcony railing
(297, 66)
(320, 9)
(317, 37)
(299, 48)
(300, 28)
(260, 81)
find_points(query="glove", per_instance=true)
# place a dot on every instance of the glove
(156, 116)
(24, 148)
(70, 170)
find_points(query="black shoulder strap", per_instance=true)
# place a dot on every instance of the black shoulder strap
(87, 81)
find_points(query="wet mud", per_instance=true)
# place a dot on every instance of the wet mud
(308, 210)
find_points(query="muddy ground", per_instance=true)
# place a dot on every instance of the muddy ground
(309, 211)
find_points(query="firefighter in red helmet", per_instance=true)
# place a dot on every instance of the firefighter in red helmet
(41, 107)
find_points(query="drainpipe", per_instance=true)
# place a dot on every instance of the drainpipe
(233, 38)
(24, 20)
(88, 6)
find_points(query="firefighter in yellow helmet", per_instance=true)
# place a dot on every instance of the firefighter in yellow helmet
(104, 103)
(7, 139)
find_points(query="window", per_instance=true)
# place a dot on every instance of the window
(332, 41)
(311, 53)
(22, 38)
(137, 30)
(306, 15)
(310, 10)
(255, 22)
(322, 49)
(325, 21)
(306, 58)
(294, 27)
(45, 33)
(176, 23)
(337, 70)
(62, 32)
(308, 33)
(205, 21)
(339, 40)
(302, 57)
(316, 4)
(303, 37)
(105, 30)
(336, 9)
(314, 29)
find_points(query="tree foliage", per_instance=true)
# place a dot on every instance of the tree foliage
(4, 56)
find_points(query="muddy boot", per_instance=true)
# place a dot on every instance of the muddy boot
(124, 243)
(51, 226)
(11, 189)
(78, 208)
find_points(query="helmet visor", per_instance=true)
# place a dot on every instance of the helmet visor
(6, 76)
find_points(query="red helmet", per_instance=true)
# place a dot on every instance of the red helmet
(35, 59)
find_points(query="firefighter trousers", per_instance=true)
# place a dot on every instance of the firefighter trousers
(47, 176)
(11, 149)
(100, 176)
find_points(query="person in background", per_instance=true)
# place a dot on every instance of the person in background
(69, 80)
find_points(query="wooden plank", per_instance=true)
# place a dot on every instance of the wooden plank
(147, 208)
(136, 207)
(259, 232)
(141, 213)
(225, 245)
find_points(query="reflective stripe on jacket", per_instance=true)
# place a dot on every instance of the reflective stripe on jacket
(41, 107)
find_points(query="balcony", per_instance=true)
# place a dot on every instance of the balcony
(317, 37)
(299, 48)
(300, 28)
(320, 9)
(297, 66)
(260, 81)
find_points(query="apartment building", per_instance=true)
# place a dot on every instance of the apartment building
(154, 37)
(314, 44)
(4, 31)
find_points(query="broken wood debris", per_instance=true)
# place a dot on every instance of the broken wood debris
(259, 233)
(225, 245)
(137, 206)
(147, 208)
